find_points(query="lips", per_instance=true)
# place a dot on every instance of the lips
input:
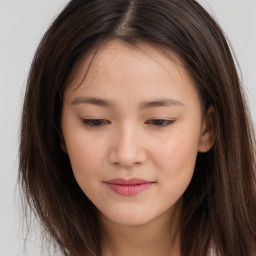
(128, 187)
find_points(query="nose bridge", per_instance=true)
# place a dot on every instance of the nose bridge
(127, 147)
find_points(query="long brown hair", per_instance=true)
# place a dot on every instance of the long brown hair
(219, 208)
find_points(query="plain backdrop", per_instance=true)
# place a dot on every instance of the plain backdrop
(22, 24)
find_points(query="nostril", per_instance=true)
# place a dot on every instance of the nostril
(127, 160)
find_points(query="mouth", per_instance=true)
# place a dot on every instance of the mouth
(128, 187)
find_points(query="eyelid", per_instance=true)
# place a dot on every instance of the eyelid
(99, 122)
(160, 122)
(95, 122)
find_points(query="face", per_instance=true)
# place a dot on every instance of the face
(132, 131)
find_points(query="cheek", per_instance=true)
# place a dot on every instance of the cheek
(85, 156)
(177, 157)
(176, 163)
(86, 159)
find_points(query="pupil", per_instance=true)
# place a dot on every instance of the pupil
(159, 122)
(96, 122)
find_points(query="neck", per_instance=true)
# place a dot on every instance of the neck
(158, 237)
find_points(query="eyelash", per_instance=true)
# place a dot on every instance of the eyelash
(102, 122)
(160, 122)
(95, 122)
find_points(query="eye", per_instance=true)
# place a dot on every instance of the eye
(160, 122)
(95, 122)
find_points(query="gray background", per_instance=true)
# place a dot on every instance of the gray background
(22, 24)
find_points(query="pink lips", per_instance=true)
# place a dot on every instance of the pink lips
(129, 187)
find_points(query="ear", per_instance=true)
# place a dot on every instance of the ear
(207, 137)
(63, 146)
(62, 141)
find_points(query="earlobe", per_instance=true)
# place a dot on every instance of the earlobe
(207, 137)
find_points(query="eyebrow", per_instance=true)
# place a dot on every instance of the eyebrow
(92, 101)
(143, 105)
(160, 103)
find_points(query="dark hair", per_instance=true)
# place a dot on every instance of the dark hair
(219, 206)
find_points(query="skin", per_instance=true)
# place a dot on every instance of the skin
(157, 142)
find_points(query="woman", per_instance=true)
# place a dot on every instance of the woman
(135, 135)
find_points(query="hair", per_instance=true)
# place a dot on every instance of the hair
(219, 205)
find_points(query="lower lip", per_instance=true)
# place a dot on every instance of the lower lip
(129, 190)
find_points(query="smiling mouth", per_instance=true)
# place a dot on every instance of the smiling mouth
(129, 187)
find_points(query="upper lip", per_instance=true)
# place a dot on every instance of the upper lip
(133, 181)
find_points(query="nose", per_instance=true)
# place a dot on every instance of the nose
(127, 148)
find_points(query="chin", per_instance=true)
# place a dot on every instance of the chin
(130, 220)
(126, 218)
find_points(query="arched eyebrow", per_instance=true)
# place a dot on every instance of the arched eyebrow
(142, 105)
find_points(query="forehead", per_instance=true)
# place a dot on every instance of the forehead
(118, 67)
(108, 53)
